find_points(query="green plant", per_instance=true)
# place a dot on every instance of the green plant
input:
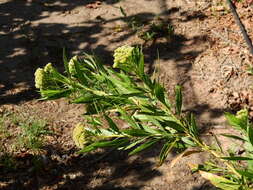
(142, 103)
(32, 133)
(134, 22)
(4, 133)
(148, 30)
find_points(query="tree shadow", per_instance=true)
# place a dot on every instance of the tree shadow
(66, 170)
(29, 46)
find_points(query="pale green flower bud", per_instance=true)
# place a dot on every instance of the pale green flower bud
(123, 56)
(78, 136)
(42, 77)
(48, 68)
(242, 114)
(39, 78)
(72, 68)
(83, 136)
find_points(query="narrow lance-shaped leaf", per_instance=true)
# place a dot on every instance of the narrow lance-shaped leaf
(179, 99)
(144, 146)
(103, 144)
(128, 118)
(111, 123)
(167, 147)
(136, 132)
(123, 12)
(218, 142)
(140, 60)
(87, 98)
(236, 158)
(238, 123)
(193, 127)
(250, 134)
(233, 137)
(133, 144)
(219, 181)
(246, 173)
(54, 94)
(65, 61)
(159, 92)
(79, 73)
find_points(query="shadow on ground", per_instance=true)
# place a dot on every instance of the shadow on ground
(79, 172)
(104, 170)
(29, 46)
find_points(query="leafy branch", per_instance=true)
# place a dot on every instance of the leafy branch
(125, 92)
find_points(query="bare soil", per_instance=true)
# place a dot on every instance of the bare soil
(206, 55)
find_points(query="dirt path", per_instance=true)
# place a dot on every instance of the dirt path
(206, 55)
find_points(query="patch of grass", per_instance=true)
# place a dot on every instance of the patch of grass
(148, 30)
(19, 131)
(32, 134)
(4, 133)
(157, 30)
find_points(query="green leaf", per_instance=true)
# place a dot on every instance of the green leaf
(160, 119)
(122, 11)
(233, 137)
(135, 143)
(136, 132)
(179, 99)
(79, 73)
(88, 148)
(193, 127)
(54, 94)
(144, 146)
(236, 158)
(87, 98)
(156, 132)
(120, 86)
(103, 144)
(140, 60)
(65, 61)
(128, 119)
(111, 123)
(246, 173)
(248, 146)
(159, 92)
(238, 123)
(92, 63)
(250, 134)
(219, 181)
(218, 142)
(174, 125)
(165, 151)
(188, 141)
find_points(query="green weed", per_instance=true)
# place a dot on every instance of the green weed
(4, 132)
(32, 133)
(148, 30)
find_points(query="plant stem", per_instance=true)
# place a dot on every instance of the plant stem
(206, 148)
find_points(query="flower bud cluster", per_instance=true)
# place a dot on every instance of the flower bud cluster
(72, 69)
(123, 57)
(82, 136)
(42, 76)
